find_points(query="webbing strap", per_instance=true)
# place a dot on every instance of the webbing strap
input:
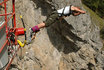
(70, 12)
(63, 12)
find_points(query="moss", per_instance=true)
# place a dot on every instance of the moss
(98, 21)
(95, 18)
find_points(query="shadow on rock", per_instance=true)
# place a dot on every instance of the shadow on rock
(66, 31)
(46, 8)
(63, 38)
(60, 34)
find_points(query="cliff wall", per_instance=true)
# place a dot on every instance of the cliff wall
(73, 44)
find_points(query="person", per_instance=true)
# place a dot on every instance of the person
(56, 15)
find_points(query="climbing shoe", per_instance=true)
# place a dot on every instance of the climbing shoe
(30, 36)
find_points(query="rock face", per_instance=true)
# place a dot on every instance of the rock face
(72, 44)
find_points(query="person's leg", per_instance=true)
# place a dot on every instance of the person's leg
(76, 13)
(41, 25)
(34, 29)
(77, 9)
(38, 27)
(49, 21)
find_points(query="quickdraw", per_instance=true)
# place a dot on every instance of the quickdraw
(23, 31)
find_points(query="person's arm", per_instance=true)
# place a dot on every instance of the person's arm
(75, 14)
(77, 9)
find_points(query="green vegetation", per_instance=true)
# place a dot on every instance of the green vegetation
(96, 5)
(95, 18)
(98, 21)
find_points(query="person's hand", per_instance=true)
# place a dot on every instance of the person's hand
(83, 12)
(77, 9)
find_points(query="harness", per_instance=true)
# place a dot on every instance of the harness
(70, 12)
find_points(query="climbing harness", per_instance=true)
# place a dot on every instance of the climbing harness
(70, 12)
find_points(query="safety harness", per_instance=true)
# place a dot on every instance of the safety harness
(70, 12)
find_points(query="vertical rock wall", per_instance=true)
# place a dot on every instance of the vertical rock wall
(73, 44)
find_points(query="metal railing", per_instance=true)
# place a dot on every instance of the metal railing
(7, 17)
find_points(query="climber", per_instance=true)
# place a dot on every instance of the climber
(55, 15)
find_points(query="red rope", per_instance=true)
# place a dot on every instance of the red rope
(5, 14)
(3, 2)
(5, 24)
(7, 21)
(3, 46)
(7, 67)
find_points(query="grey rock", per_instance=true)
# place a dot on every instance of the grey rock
(72, 44)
